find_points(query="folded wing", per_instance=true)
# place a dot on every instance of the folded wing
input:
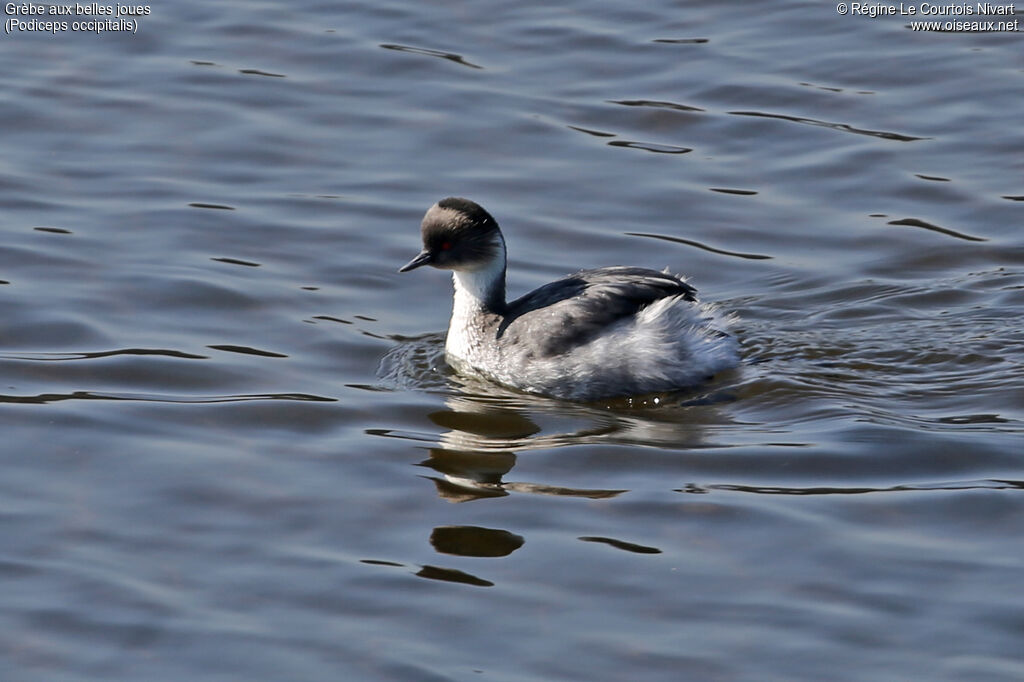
(573, 310)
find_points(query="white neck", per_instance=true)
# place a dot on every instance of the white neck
(477, 292)
(474, 289)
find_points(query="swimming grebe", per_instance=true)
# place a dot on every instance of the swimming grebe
(614, 331)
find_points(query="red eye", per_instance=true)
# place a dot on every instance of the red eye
(446, 246)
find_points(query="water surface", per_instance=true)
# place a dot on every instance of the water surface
(232, 449)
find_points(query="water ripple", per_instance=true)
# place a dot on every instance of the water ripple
(45, 398)
(835, 126)
(57, 357)
(654, 104)
(236, 261)
(690, 242)
(216, 207)
(621, 544)
(651, 147)
(737, 192)
(681, 41)
(916, 222)
(246, 350)
(588, 131)
(450, 56)
(988, 484)
(257, 72)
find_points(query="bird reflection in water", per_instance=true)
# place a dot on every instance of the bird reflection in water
(479, 450)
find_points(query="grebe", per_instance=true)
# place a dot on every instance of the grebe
(608, 332)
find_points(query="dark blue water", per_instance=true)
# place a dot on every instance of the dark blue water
(231, 449)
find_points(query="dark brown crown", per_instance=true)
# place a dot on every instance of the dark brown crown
(460, 235)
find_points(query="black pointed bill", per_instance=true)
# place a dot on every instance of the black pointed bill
(424, 258)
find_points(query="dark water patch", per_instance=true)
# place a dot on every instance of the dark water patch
(651, 147)
(45, 398)
(236, 261)
(475, 541)
(381, 562)
(440, 54)
(844, 127)
(92, 355)
(329, 318)
(738, 192)
(199, 62)
(52, 230)
(622, 544)
(654, 104)
(826, 88)
(372, 388)
(217, 207)
(680, 41)
(365, 318)
(257, 72)
(705, 247)
(452, 575)
(917, 222)
(991, 484)
(247, 350)
(829, 88)
(595, 133)
(401, 435)
(974, 419)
